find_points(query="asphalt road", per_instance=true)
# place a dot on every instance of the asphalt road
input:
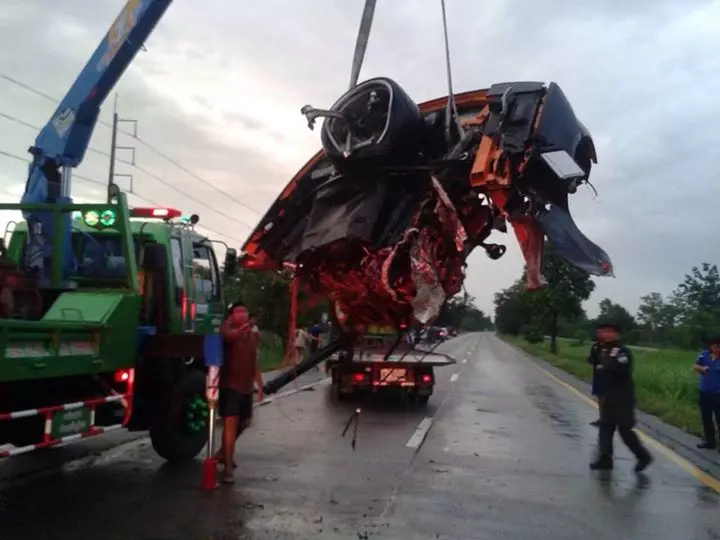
(501, 451)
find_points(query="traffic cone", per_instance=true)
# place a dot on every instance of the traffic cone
(209, 474)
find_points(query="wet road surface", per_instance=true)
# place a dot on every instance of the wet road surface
(506, 456)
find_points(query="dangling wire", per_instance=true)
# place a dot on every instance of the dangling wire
(451, 112)
(362, 41)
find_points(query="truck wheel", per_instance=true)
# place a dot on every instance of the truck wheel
(180, 432)
(422, 400)
(335, 385)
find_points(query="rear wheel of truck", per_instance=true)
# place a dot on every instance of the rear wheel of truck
(179, 433)
(336, 385)
(422, 400)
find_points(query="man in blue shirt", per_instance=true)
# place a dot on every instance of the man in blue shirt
(707, 365)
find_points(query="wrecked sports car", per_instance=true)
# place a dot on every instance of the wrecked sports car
(382, 220)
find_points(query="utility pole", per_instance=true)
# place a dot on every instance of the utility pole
(112, 175)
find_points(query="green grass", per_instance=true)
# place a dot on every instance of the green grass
(665, 385)
(270, 354)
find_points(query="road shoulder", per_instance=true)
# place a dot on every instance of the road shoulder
(673, 438)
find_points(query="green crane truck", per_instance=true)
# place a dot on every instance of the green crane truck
(116, 344)
(109, 316)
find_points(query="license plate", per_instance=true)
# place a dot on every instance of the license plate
(72, 422)
(379, 330)
(390, 375)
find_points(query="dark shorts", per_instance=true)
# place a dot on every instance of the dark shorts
(234, 403)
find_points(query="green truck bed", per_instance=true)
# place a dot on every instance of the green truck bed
(83, 332)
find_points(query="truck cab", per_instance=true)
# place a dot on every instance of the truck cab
(99, 263)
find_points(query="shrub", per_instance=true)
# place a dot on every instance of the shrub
(532, 334)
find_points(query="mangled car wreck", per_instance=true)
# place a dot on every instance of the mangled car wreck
(382, 220)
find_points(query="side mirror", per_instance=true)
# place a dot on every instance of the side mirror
(230, 267)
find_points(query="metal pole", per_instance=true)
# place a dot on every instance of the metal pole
(111, 173)
(211, 434)
(212, 382)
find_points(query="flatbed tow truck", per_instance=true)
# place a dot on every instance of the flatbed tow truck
(380, 362)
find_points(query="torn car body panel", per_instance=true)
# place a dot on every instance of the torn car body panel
(382, 220)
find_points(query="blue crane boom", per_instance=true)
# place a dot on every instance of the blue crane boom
(61, 145)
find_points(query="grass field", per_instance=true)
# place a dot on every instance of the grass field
(665, 385)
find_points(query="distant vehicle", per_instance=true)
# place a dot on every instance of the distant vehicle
(452, 331)
(437, 333)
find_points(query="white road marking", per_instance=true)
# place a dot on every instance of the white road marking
(453, 377)
(420, 433)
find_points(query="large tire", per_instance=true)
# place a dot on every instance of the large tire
(335, 386)
(171, 436)
(422, 400)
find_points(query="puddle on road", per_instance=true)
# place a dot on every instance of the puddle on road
(563, 420)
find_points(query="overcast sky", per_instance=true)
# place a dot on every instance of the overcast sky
(221, 86)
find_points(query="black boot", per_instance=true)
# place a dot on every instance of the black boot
(705, 445)
(603, 463)
(632, 441)
(643, 462)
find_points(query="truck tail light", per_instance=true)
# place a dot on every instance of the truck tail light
(187, 306)
(426, 379)
(358, 377)
(122, 375)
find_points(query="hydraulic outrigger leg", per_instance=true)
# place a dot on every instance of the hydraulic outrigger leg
(290, 374)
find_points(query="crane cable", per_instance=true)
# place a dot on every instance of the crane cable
(362, 41)
(451, 112)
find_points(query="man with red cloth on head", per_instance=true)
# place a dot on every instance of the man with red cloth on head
(240, 372)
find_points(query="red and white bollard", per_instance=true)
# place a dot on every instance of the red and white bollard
(209, 474)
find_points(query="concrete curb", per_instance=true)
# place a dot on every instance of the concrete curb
(674, 438)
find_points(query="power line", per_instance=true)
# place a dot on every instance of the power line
(141, 141)
(141, 169)
(27, 161)
(92, 181)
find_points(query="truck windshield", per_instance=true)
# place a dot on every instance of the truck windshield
(99, 256)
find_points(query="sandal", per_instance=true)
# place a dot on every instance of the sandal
(228, 479)
(219, 459)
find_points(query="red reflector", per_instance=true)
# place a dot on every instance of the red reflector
(122, 375)
(426, 378)
(163, 213)
(358, 377)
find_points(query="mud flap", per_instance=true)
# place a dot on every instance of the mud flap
(571, 244)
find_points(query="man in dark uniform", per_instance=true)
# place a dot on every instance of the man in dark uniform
(593, 360)
(617, 408)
